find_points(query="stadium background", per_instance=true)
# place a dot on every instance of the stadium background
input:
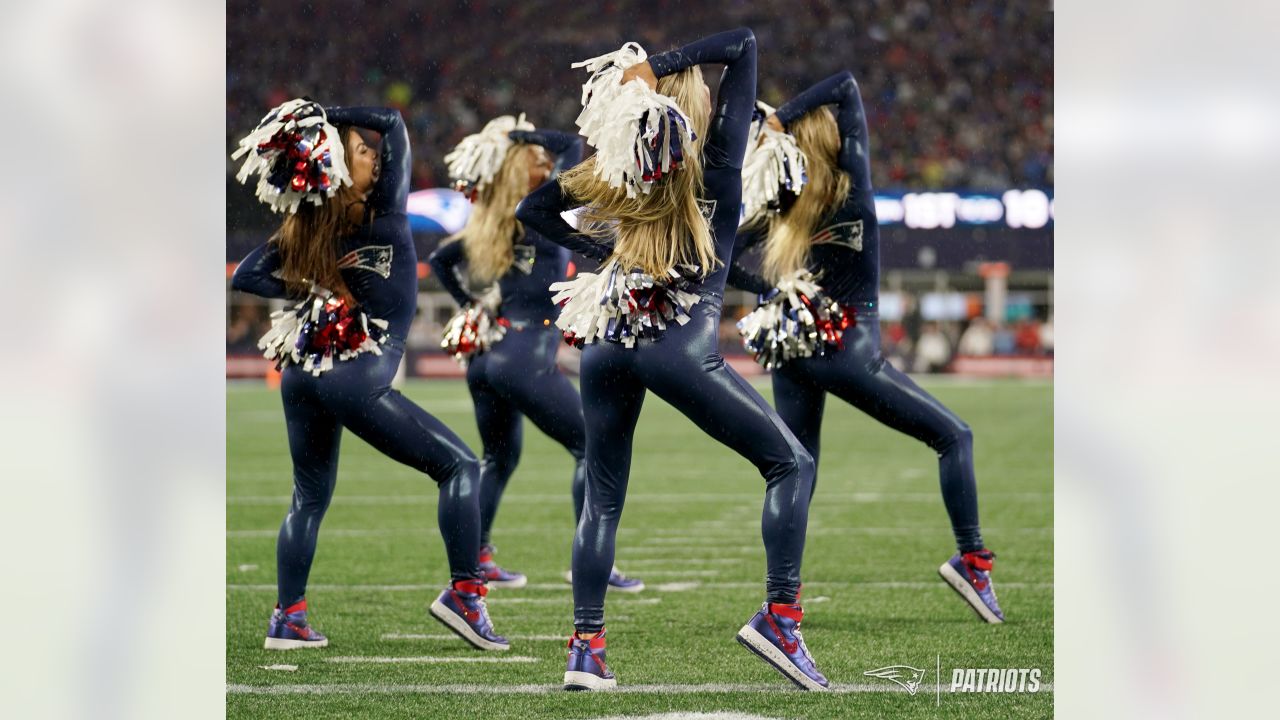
(960, 108)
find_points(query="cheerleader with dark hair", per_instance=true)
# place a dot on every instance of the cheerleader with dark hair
(504, 334)
(661, 201)
(345, 253)
(818, 326)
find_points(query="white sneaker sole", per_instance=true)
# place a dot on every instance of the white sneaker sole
(462, 629)
(966, 591)
(575, 680)
(756, 643)
(513, 584)
(285, 644)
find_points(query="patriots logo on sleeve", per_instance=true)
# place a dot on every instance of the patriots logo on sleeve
(848, 234)
(374, 258)
(708, 209)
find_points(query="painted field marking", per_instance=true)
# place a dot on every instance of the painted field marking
(429, 659)
(481, 690)
(418, 636)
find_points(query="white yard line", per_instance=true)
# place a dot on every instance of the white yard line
(418, 636)
(481, 690)
(429, 659)
(500, 595)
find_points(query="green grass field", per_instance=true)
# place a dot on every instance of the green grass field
(877, 532)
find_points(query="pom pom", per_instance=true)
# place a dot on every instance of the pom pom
(475, 329)
(622, 307)
(774, 162)
(474, 161)
(297, 156)
(639, 135)
(795, 320)
(319, 330)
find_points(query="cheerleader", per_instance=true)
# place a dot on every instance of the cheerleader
(828, 233)
(517, 376)
(661, 204)
(344, 250)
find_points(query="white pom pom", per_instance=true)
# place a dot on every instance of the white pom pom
(476, 328)
(295, 337)
(630, 126)
(297, 130)
(622, 307)
(474, 161)
(774, 161)
(797, 320)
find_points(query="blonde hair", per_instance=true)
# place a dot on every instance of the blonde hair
(665, 227)
(309, 239)
(789, 232)
(492, 229)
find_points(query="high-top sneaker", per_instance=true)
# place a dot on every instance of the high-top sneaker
(969, 574)
(617, 581)
(586, 669)
(461, 608)
(289, 629)
(497, 576)
(774, 635)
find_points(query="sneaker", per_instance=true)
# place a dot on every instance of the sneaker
(774, 635)
(586, 669)
(461, 608)
(969, 574)
(496, 576)
(617, 581)
(289, 629)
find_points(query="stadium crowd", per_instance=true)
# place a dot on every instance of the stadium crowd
(959, 95)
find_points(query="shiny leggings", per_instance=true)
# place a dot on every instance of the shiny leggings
(684, 368)
(518, 378)
(356, 394)
(859, 375)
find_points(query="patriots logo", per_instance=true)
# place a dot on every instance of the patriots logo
(708, 209)
(904, 675)
(375, 258)
(524, 257)
(848, 234)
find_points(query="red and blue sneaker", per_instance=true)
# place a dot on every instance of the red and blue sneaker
(496, 576)
(969, 574)
(586, 669)
(617, 581)
(461, 608)
(289, 629)
(774, 635)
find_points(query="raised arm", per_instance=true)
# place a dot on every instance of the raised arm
(567, 147)
(444, 264)
(840, 90)
(541, 210)
(736, 50)
(391, 192)
(256, 273)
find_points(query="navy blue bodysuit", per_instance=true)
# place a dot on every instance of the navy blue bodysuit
(518, 377)
(683, 366)
(379, 265)
(845, 256)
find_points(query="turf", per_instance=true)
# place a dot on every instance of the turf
(877, 534)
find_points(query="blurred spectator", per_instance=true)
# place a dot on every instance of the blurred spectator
(1003, 341)
(248, 323)
(933, 350)
(958, 94)
(1027, 338)
(977, 339)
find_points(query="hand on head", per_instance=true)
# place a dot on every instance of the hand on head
(642, 71)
